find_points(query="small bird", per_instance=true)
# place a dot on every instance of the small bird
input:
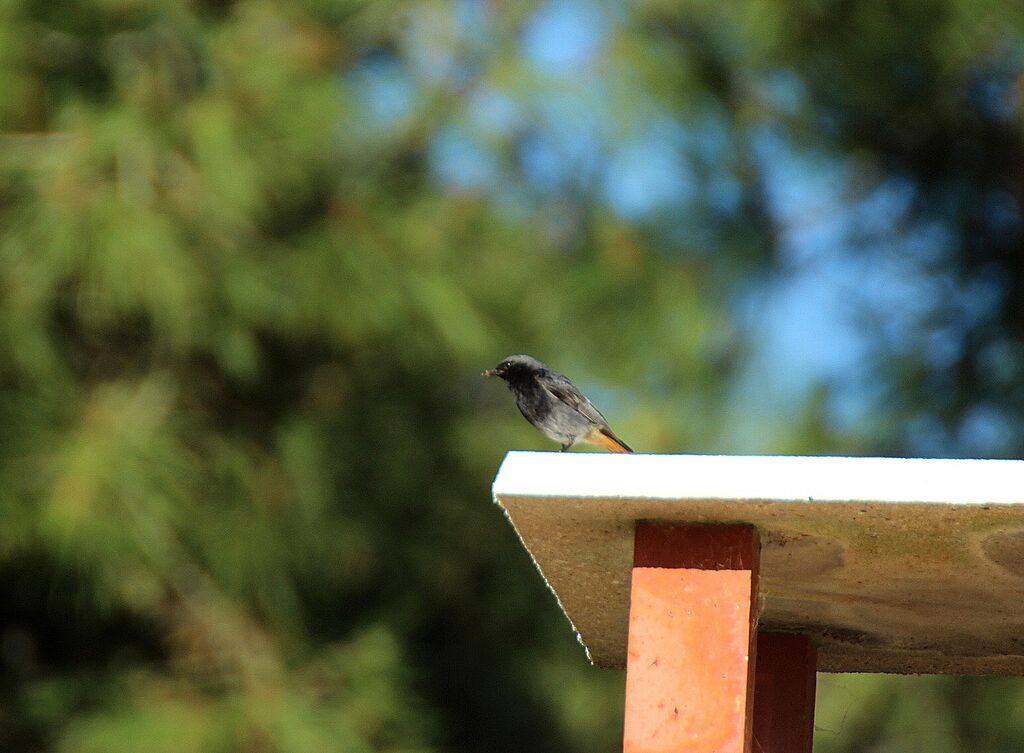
(552, 403)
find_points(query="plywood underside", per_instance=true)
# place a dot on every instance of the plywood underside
(881, 586)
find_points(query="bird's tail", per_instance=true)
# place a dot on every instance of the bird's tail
(604, 437)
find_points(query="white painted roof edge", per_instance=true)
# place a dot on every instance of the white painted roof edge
(782, 478)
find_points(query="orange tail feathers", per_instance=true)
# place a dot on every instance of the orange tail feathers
(605, 438)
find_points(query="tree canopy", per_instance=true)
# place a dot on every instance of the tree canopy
(254, 254)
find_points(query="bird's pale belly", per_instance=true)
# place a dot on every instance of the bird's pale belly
(556, 420)
(564, 425)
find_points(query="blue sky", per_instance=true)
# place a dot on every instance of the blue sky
(849, 263)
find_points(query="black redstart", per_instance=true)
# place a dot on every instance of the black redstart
(552, 403)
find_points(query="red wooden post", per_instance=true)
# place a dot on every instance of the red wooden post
(784, 688)
(692, 623)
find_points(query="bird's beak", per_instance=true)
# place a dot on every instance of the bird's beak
(488, 373)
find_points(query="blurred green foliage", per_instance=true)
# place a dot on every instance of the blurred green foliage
(254, 254)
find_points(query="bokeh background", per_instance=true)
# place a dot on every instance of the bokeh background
(254, 254)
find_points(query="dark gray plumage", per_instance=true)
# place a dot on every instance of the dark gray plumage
(552, 403)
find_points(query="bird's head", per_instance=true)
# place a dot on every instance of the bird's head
(514, 367)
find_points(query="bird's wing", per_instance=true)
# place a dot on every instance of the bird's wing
(565, 391)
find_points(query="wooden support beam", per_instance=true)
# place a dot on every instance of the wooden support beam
(784, 686)
(692, 623)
